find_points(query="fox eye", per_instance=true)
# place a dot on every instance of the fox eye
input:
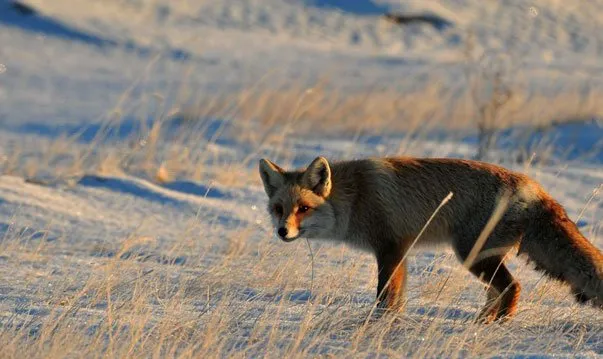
(303, 209)
(278, 209)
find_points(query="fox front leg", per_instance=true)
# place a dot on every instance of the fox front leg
(391, 280)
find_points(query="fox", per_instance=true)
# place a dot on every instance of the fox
(383, 205)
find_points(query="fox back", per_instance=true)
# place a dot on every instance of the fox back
(356, 201)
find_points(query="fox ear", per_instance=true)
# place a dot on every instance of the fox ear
(272, 176)
(318, 177)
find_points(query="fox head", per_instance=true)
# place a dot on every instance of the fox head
(298, 200)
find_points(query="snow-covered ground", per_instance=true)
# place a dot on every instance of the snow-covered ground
(132, 217)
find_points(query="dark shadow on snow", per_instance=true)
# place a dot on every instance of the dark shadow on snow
(82, 133)
(134, 188)
(578, 140)
(127, 128)
(407, 19)
(357, 7)
(370, 8)
(27, 19)
(138, 190)
(13, 15)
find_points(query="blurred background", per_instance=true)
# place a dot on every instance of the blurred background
(510, 75)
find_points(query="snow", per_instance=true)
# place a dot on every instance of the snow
(130, 208)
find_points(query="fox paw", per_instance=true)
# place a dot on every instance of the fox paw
(488, 315)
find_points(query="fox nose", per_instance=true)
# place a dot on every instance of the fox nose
(282, 232)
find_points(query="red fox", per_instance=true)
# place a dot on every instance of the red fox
(381, 205)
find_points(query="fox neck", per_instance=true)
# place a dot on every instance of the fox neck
(342, 212)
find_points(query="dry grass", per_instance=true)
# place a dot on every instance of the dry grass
(376, 111)
(173, 141)
(253, 301)
(244, 295)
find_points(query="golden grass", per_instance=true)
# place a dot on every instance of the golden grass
(172, 145)
(245, 295)
(254, 301)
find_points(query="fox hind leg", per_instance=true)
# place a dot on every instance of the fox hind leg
(503, 293)
(503, 290)
(492, 306)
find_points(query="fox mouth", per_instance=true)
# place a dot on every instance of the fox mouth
(289, 240)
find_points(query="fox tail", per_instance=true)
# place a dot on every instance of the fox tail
(557, 247)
